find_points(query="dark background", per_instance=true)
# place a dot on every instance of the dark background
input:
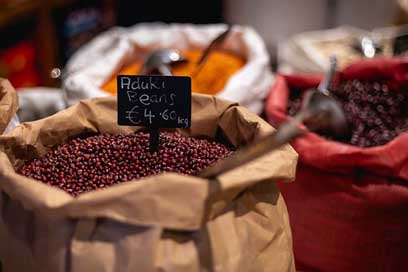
(37, 36)
(131, 12)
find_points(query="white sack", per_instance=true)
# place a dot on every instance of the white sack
(98, 61)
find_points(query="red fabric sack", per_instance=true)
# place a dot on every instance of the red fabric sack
(349, 205)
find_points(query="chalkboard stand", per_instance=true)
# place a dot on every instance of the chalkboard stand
(154, 102)
(154, 137)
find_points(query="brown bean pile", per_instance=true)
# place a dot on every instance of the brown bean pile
(85, 164)
(375, 113)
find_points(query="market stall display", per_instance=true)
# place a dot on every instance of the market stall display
(238, 70)
(168, 221)
(348, 206)
(121, 150)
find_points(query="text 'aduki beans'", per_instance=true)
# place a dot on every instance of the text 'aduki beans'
(375, 113)
(82, 165)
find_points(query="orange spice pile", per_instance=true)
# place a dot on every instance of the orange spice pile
(211, 79)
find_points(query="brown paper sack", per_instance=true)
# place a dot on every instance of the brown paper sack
(167, 222)
(8, 104)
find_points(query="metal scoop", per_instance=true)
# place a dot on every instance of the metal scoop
(213, 45)
(160, 61)
(320, 110)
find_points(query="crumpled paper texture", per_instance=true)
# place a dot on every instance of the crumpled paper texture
(167, 222)
(8, 106)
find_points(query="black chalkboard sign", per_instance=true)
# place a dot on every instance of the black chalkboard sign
(154, 101)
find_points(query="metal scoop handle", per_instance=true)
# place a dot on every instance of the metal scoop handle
(214, 44)
(286, 132)
(325, 83)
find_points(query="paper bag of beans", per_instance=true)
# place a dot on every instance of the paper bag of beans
(80, 193)
(8, 106)
(349, 205)
(239, 70)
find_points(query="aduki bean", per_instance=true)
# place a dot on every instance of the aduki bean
(375, 114)
(82, 165)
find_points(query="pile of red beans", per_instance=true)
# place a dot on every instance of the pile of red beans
(375, 113)
(85, 164)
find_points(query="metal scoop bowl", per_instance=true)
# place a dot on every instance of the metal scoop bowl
(160, 61)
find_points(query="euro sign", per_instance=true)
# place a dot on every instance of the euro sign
(133, 116)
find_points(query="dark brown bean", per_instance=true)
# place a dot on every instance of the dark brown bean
(375, 114)
(82, 165)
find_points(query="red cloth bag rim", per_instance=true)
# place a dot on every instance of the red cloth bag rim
(390, 159)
